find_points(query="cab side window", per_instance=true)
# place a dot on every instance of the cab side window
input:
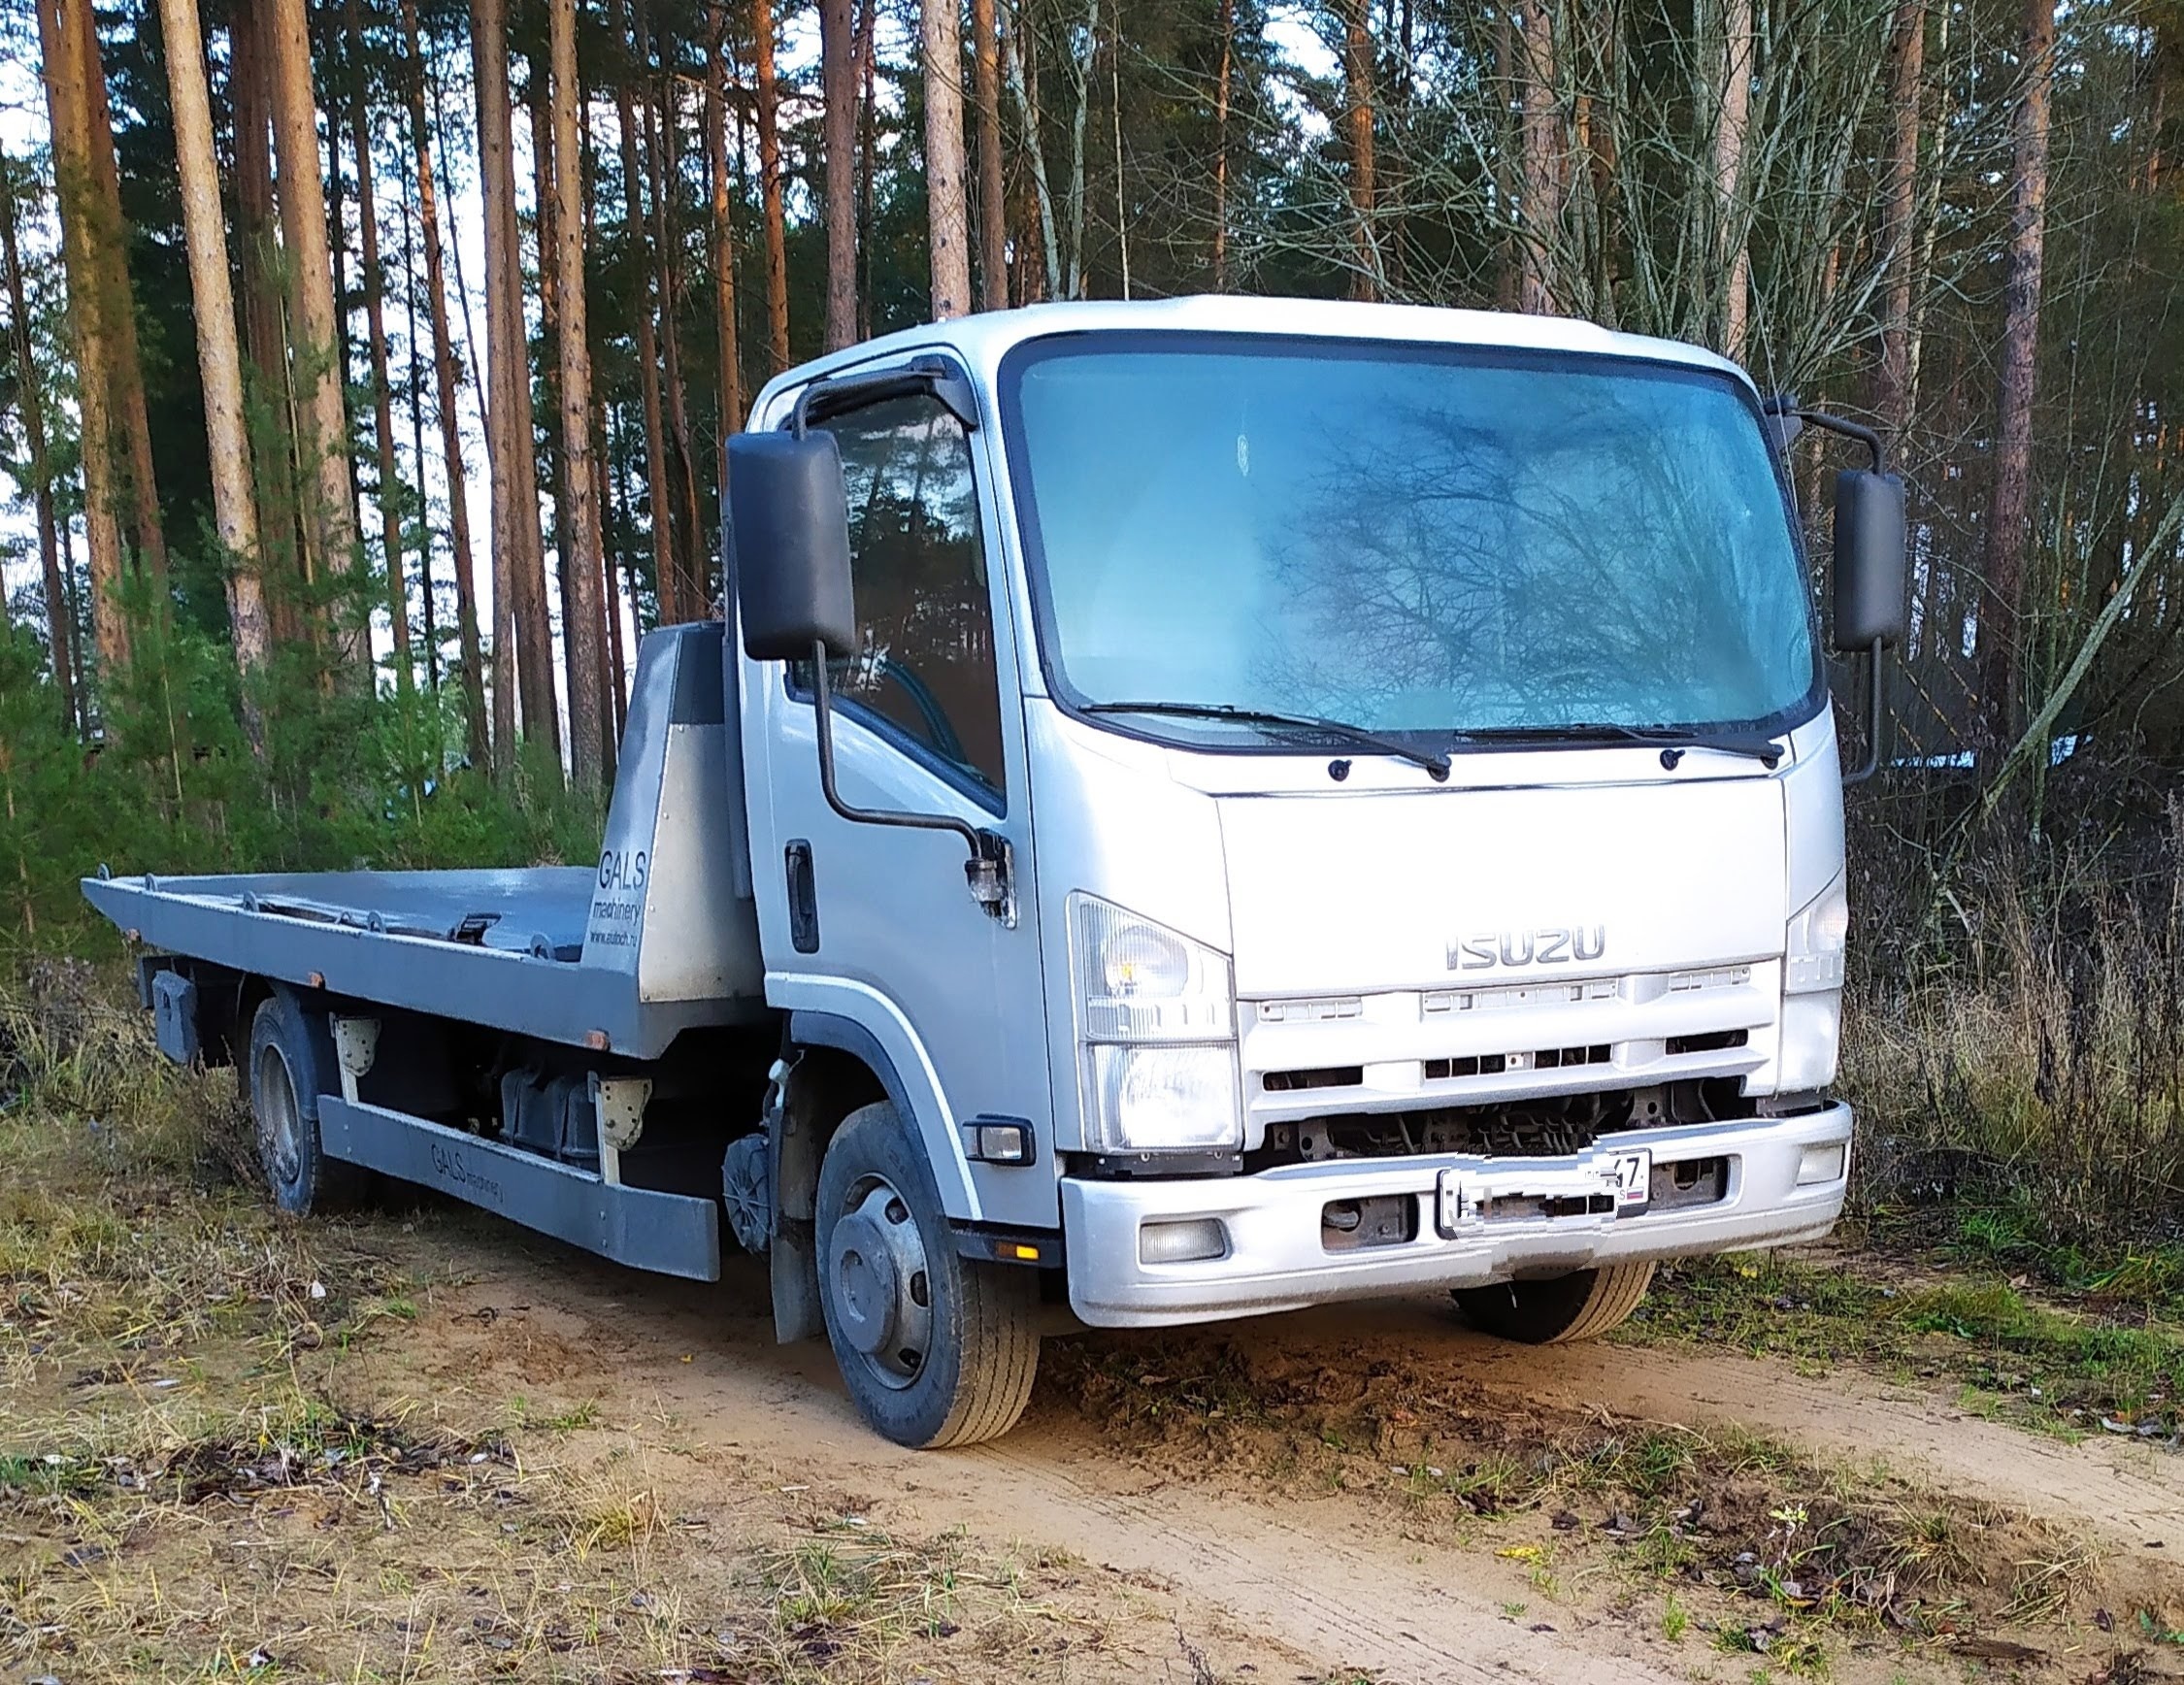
(925, 671)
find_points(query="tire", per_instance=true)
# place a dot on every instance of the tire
(1583, 1305)
(291, 1063)
(954, 1369)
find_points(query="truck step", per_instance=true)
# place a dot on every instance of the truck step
(672, 1234)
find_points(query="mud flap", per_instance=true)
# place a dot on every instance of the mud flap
(795, 1269)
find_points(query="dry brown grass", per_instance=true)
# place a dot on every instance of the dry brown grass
(213, 1467)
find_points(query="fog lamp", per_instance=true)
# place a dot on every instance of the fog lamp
(1187, 1240)
(1823, 1163)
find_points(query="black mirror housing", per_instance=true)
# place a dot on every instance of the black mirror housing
(788, 524)
(1870, 573)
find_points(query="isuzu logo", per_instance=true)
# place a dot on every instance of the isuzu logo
(1550, 945)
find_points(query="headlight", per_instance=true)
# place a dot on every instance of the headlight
(1157, 1033)
(1154, 1097)
(1139, 981)
(1813, 954)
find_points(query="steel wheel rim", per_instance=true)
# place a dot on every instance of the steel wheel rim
(879, 1285)
(273, 1094)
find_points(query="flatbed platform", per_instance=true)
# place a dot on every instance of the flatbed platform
(661, 938)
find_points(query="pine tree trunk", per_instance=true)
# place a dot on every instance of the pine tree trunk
(2009, 506)
(280, 543)
(1892, 393)
(61, 63)
(522, 647)
(664, 579)
(220, 356)
(428, 605)
(382, 384)
(1221, 78)
(580, 608)
(1023, 83)
(993, 202)
(126, 371)
(1357, 127)
(446, 379)
(947, 218)
(868, 165)
(662, 130)
(323, 440)
(61, 640)
(1541, 179)
(770, 186)
(837, 81)
(726, 348)
(545, 198)
(1730, 133)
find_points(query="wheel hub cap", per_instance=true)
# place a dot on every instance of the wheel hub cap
(881, 1291)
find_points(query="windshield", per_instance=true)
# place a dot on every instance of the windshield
(1407, 538)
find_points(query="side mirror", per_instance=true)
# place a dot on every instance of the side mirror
(1870, 596)
(788, 523)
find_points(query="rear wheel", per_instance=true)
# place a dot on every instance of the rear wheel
(937, 1349)
(290, 1061)
(1583, 1305)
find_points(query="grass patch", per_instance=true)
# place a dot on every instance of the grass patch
(2088, 1367)
(214, 1463)
(1765, 1548)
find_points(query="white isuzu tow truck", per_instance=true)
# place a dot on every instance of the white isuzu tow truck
(1197, 809)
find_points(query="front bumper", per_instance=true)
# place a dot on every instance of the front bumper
(1276, 1259)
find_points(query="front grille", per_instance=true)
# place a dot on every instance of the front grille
(1324, 1077)
(1497, 1064)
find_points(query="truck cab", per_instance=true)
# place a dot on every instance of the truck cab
(1204, 808)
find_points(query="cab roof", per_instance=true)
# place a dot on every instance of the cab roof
(982, 340)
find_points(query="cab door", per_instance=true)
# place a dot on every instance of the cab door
(874, 927)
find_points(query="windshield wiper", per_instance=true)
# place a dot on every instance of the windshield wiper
(1434, 762)
(1673, 739)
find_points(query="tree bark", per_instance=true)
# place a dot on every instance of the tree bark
(1221, 80)
(665, 584)
(1730, 134)
(947, 220)
(1357, 132)
(838, 79)
(1539, 185)
(1892, 388)
(2010, 500)
(428, 605)
(323, 442)
(447, 380)
(389, 497)
(220, 356)
(770, 186)
(868, 164)
(60, 640)
(61, 63)
(993, 203)
(1022, 85)
(725, 339)
(522, 647)
(126, 369)
(581, 611)
(546, 218)
(661, 131)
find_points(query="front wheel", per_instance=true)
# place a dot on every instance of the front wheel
(937, 1349)
(1583, 1305)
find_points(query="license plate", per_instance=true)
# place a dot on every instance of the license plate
(1633, 1180)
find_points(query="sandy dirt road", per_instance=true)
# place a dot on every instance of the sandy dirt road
(1324, 1579)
